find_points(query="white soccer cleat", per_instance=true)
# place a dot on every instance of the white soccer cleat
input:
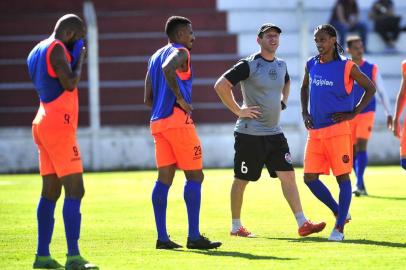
(336, 236)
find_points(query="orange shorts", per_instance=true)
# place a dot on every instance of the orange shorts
(58, 151)
(176, 142)
(180, 146)
(361, 126)
(403, 140)
(324, 151)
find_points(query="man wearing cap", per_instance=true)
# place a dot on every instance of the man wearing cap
(259, 139)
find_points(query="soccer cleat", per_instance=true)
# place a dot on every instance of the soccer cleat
(309, 227)
(46, 262)
(360, 192)
(202, 243)
(242, 232)
(77, 262)
(336, 235)
(166, 245)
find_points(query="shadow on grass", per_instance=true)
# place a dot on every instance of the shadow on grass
(243, 255)
(349, 241)
(386, 198)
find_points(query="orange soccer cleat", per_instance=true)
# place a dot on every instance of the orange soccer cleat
(242, 232)
(309, 227)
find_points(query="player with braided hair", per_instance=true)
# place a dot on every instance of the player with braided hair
(330, 30)
(327, 92)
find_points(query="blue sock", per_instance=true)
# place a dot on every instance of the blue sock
(362, 161)
(344, 203)
(354, 164)
(192, 196)
(159, 202)
(72, 219)
(403, 163)
(45, 218)
(323, 194)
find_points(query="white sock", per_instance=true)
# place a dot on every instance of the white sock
(236, 225)
(300, 219)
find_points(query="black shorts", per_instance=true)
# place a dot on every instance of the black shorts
(253, 152)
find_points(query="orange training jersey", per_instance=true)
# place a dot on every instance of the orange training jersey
(63, 110)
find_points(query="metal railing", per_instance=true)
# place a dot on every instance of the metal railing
(93, 80)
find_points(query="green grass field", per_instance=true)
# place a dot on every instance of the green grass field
(118, 230)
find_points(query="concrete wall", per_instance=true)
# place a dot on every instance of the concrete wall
(128, 148)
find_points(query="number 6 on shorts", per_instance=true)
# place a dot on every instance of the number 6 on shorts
(244, 169)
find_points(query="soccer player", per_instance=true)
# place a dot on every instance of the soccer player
(168, 90)
(259, 139)
(328, 84)
(400, 105)
(55, 67)
(362, 124)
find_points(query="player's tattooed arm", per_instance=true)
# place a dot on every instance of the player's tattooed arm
(67, 77)
(148, 97)
(304, 99)
(175, 61)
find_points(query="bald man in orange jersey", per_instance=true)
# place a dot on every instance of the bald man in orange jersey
(54, 67)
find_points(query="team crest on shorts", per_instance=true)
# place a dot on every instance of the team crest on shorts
(346, 159)
(288, 158)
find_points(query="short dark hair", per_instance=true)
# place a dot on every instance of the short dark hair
(351, 39)
(173, 23)
(69, 22)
